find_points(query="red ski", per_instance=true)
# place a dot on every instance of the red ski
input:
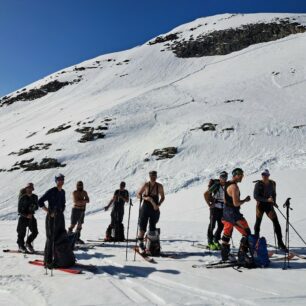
(68, 270)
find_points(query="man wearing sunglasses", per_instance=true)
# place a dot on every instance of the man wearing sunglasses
(232, 217)
(265, 195)
(214, 198)
(153, 196)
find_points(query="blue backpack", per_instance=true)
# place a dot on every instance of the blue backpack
(258, 247)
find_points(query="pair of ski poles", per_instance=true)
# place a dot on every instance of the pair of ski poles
(127, 236)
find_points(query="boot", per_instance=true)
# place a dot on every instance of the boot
(282, 246)
(141, 246)
(22, 249)
(29, 247)
(225, 250)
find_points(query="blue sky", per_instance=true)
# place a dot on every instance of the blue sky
(39, 37)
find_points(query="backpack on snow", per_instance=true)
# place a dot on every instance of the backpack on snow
(153, 243)
(258, 247)
(115, 232)
(63, 254)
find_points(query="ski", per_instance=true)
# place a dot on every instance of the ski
(89, 268)
(67, 270)
(168, 255)
(282, 252)
(217, 265)
(298, 255)
(144, 256)
(84, 247)
(24, 253)
(103, 240)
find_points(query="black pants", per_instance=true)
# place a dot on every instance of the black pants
(54, 229)
(23, 223)
(148, 214)
(267, 208)
(117, 215)
(216, 215)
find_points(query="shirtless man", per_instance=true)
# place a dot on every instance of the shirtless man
(153, 195)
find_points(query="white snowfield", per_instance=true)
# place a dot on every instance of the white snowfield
(154, 100)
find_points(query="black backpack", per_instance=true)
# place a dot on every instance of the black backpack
(63, 254)
(115, 233)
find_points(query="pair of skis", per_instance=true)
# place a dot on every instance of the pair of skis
(77, 268)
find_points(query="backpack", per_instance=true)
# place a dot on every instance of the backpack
(258, 247)
(213, 182)
(115, 233)
(153, 243)
(63, 254)
(245, 254)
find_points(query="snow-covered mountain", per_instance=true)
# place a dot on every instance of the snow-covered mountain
(243, 105)
(213, 94)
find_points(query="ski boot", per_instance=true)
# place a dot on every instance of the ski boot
(80, 241)
(29, 247)
(225, 250)
(22, 249)
(282, 246)
(217, 245)
(211, 246)
(142, 248)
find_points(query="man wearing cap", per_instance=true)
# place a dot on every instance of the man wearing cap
(27, 205)
(120, 197)
(80, 199)
(265, 195)
(214, 198)
(232, 217)
(153, 196)
(55, 221)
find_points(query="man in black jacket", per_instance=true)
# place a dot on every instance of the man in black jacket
(55, 221)
(265, 195)
(27, 205)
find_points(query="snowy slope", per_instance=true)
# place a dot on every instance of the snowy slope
(149, 100)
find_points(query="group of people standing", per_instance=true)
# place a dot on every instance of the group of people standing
(56, 233)
(223, 199)
(151, 192)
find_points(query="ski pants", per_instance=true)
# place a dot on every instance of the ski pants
(240, 225)
(55, 226)
(267, 208)
(216, 215)
(23, 223)
(117, 215)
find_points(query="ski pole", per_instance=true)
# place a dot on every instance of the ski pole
(275, 239)
(127, 233)
(291, 226)
(53, 244)
(140, 200)
(233, 242)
